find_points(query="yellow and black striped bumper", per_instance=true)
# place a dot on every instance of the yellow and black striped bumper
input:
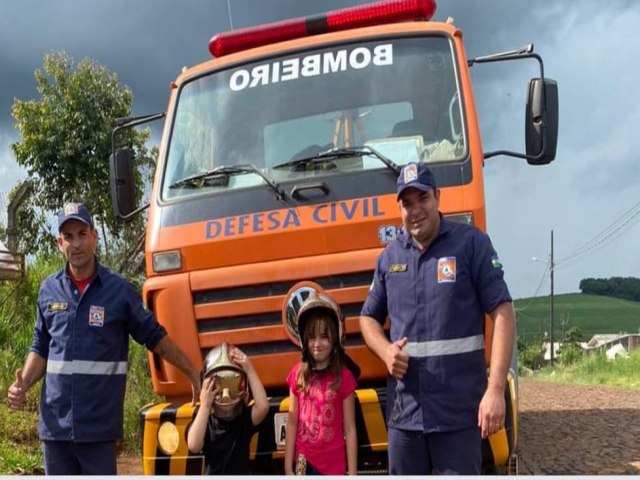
(165, 426)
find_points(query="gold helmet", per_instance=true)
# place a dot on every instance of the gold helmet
(230, 381)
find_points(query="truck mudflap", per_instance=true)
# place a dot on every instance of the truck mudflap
(165, 427)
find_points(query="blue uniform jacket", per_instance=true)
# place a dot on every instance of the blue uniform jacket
(438, 299)
(85, 340)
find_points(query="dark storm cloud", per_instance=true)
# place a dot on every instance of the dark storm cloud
(588, 46)
(146, 43)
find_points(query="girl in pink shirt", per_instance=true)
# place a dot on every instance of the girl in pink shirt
(321, 427)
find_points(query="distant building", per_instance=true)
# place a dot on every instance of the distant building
(616, 351)
(546, 348)
(605, 342)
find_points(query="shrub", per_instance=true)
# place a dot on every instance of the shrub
(569, 354)
(531, 356)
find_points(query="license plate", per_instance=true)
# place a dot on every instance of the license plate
(280, 428)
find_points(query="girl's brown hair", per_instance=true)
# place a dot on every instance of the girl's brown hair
(319, 323)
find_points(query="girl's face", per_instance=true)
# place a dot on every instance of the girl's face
(319, 341)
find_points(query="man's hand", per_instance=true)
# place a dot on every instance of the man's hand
(396, 359)
(491, 414)
(173, 354)
(18, 391)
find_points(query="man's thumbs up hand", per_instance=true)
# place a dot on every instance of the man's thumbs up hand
(17, 391)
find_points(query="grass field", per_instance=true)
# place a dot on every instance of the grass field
(597, 370)
(590, 313)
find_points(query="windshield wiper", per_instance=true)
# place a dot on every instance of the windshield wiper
(337, 153)
(198, 180)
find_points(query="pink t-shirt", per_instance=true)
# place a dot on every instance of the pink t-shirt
(320, 435)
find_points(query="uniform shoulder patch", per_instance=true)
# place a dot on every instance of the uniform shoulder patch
(496, 263)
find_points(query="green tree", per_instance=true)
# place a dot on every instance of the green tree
(65, 145)
(573, 335)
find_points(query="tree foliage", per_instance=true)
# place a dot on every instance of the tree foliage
(627, 288)
(66, 142)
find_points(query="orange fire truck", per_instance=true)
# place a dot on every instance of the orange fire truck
(278, 166)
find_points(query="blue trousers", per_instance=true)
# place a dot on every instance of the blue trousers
(442, 453)
(70, 458)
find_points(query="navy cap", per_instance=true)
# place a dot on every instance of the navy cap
(75, 211)
(416, 175)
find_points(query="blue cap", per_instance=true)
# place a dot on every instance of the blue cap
(75, 211)
(416, 175)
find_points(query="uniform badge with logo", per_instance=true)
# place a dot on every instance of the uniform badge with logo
(446, 269)
(71, 209)
(410, 173)
(496, 263)
(96, 316)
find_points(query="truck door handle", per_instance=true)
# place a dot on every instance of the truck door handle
(296, 191)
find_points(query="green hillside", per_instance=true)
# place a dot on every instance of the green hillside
(590, 313)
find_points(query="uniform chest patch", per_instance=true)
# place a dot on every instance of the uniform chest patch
(96, 316)
(57, 306)
(398, 267)
(446, 269)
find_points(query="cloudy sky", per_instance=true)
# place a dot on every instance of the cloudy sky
(590, 195)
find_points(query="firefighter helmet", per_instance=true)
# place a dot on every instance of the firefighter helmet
(230, 381)
(303, 300)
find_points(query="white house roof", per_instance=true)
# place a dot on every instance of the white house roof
(603, 339)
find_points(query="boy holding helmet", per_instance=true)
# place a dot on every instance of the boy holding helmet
(223, 426)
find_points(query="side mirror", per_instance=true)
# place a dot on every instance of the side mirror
(122, 182)
(541, 121)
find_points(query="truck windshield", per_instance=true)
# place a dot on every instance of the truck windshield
(398, 97)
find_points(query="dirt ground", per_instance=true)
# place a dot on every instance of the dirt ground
(569, 430)
(564, 430)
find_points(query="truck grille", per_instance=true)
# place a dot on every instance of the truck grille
(332, 282)
(275, 344)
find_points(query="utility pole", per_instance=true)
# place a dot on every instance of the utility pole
(551, 268)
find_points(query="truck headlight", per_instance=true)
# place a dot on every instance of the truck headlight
(168, 438)
(167, 261)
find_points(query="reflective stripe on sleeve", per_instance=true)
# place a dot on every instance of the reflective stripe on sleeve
(436, 348)
(86, 367)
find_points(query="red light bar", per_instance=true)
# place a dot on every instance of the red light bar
(379, 13)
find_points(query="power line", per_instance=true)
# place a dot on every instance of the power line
(608, 234)
(526, 306)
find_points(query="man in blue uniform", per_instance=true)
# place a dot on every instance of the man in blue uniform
(435, 282)
(84, 316)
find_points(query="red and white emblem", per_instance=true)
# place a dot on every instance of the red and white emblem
(71, 209)
(96, 316)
